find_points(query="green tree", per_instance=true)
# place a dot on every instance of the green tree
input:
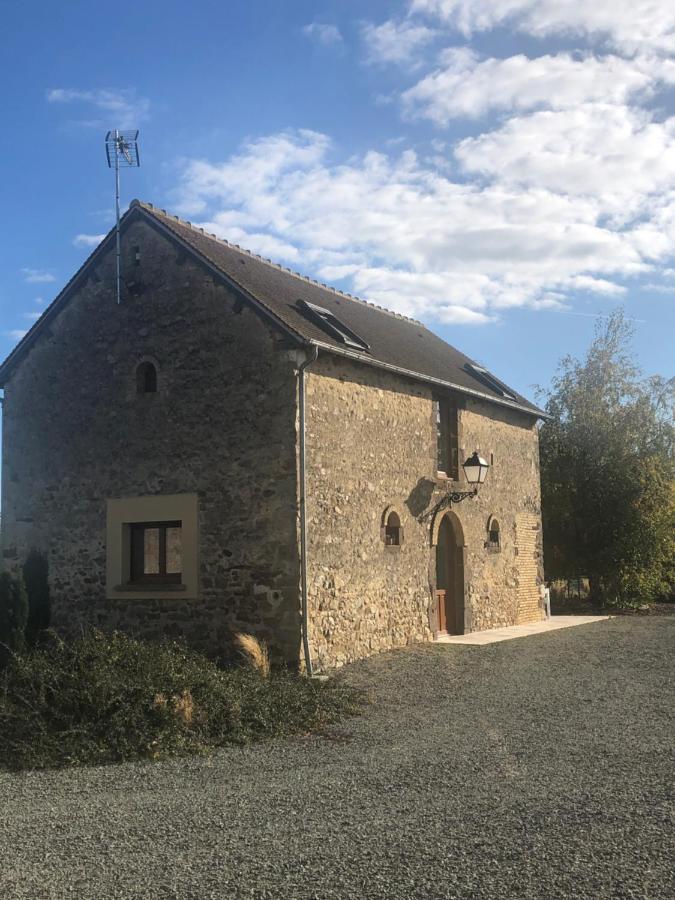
(36, 579)
(13, 616)
(607, 468)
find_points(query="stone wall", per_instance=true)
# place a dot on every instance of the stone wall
(223, 425)
(371, 443)
(495, 581)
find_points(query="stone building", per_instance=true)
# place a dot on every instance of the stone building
(235, 447)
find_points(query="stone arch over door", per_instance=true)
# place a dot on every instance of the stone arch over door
(449, 573)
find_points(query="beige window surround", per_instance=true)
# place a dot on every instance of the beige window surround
(125, 511)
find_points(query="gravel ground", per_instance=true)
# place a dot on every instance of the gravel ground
(538, 767)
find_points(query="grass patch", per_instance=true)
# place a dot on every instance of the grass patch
(104, 699)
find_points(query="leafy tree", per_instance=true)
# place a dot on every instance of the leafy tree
(13, 616)
(607, 467)
(36, 579)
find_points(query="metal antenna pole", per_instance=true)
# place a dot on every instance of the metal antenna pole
(121, 149)
(117, 219)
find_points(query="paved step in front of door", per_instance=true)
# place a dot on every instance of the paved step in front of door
(516, 631)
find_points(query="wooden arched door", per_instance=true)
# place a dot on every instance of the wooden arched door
(450, 577)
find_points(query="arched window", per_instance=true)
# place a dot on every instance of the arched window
(494, 536)
(146, 378)
(393, 533)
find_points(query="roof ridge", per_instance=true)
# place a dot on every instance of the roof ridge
(144, 204)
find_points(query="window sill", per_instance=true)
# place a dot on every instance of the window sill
(493, 548)
(442, 478)
(149, 588)
(392, 548)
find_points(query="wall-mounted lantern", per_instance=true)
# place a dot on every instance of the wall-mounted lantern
(475, 470)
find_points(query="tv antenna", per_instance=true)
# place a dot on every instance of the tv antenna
(121, 150)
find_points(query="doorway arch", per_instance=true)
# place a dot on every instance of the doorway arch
(448, 538)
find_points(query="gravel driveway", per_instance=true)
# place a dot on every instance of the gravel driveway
(538, 767)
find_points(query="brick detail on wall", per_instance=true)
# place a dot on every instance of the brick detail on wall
(528, 542)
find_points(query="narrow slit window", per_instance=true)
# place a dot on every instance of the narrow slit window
(156, 552)
(146, 379)
(489, 380)
(447, 437)
(333, 326)
(494, 534)
(392, 530)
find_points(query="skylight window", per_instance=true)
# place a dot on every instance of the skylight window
(333, 326)
(489, 380)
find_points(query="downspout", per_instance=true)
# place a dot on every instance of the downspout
(312, 357)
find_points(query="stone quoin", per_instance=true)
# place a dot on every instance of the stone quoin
(158, 453)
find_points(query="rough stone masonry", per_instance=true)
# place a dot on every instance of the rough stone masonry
(223, 424)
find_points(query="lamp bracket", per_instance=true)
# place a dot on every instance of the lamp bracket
(447, 500)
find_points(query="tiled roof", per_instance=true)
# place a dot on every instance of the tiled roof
(395, 341)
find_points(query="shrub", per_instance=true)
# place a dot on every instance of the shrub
(104, 699)
(36, 579)
(13, 616)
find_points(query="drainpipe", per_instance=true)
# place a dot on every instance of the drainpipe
(312, 357)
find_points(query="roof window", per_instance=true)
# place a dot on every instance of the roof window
(489, 380)
(332, 325)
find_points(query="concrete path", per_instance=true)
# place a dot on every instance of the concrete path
(516, 631)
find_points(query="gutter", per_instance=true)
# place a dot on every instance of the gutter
(418, 376)
(311, 357)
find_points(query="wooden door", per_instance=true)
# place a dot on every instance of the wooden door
(442, 617)
(450, 579)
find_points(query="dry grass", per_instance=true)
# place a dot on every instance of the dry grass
(255, 652)
(183, 707)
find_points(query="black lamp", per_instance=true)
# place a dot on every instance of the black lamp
(475, 469)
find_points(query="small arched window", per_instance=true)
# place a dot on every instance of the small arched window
(146, 378)
(393, 533)
(494, 535)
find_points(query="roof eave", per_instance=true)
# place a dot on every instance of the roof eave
(136, 209)
(222, 276)
(534, 412)
(26, 342)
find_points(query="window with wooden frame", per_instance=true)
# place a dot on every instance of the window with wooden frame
(156, 552)
(447, 437)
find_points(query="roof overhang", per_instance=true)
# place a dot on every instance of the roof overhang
(368, 360)
(136, 210)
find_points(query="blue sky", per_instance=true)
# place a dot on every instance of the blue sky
(503, 170)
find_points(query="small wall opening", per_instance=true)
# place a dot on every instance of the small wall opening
(392, 530)
(494, 534)
(146, 378)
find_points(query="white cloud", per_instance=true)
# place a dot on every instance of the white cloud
(398, 231)
(618, 156)
(37, 276)
(629, 25)
(16, 333)
(466, 85)
(123, 108)
(33, 316)
(596, 285)
(395, 41)
(88, 240)
(323, 33)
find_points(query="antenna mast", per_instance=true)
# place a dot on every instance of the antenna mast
(121, 149)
